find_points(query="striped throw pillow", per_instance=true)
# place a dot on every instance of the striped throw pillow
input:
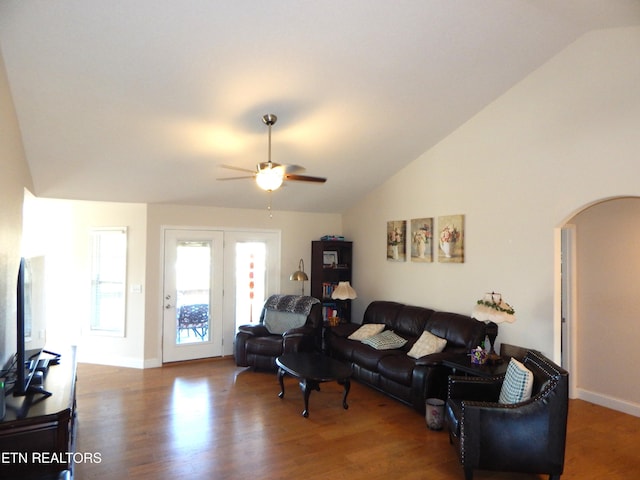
(386, 340)
(517, 384)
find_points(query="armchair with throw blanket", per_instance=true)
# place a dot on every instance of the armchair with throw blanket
(288, 323)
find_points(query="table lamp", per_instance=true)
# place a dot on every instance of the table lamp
(344, 291)
(491, 310)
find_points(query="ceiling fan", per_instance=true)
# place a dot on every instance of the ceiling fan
(269, 175)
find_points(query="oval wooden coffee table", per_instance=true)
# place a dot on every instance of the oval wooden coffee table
(313, 369)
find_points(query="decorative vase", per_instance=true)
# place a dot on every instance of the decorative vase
(394, 252)
(447, 248)
(422, 247)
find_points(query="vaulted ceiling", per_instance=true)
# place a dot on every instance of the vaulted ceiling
(142, 101)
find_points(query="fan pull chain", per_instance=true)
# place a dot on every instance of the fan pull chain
(270, 192)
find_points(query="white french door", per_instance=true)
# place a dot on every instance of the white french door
(193, 286)
(252, 266)
(214, 280)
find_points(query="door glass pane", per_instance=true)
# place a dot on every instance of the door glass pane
(251, 275)
(193, 288)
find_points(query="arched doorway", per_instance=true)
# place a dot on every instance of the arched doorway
(598, 264)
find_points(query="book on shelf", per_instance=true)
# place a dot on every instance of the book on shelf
(328, 288)
(328, 310)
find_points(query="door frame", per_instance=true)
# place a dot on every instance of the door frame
(212, 347)
(567, 316)
(232, 235)
(228, 309)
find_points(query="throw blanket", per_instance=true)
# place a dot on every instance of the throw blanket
(291, 303)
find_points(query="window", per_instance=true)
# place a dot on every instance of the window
(108, 280)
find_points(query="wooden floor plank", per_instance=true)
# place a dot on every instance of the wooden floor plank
(213, 420)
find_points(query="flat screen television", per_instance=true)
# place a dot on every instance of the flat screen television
(30, 325)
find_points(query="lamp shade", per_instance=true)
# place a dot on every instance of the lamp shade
(492, 308)
(269, 179)
(299, 276)
(344, 291)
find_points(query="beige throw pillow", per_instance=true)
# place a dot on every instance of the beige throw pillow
(427, 344)
(367, 330)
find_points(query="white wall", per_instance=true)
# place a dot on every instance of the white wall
(608, 297)
(60, 230)
(14, 178)
(563, 138)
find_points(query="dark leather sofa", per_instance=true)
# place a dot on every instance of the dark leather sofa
(255, 346)
(527, 436)
(395, 373)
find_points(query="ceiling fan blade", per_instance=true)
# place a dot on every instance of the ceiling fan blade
(286, 168)
(304, 178)
(240, 169)
(267, 165)
(236, 178)
(293, 168)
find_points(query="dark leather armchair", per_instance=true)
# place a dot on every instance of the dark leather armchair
(256, 346)
(529, 436)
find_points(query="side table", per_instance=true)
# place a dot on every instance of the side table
(461, 364)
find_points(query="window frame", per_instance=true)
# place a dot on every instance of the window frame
(117, 327)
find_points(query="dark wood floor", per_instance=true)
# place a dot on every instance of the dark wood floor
(212, 420)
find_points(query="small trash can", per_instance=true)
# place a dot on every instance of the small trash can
(434, 413)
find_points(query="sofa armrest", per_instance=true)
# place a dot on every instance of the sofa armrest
(474, 388)
(305, 330)
(431, 360)
(300, 339)
(256, 330)
(344, 329)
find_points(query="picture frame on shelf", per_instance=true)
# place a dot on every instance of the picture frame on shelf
(329, 258)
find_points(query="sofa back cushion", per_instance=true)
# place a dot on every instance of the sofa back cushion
(461, 332)
(411, 321)
(382, 311)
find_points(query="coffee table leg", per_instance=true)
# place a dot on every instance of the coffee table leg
(280, 376)
(347, 386)
(307, 386)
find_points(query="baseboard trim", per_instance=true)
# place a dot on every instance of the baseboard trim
(114, 361)
(607, 401)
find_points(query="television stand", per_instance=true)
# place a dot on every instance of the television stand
(42, 427)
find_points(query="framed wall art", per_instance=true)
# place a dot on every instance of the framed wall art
(451, 239)
(422, 240)
(396, 240)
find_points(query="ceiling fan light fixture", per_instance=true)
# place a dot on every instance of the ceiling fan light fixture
(270, 178)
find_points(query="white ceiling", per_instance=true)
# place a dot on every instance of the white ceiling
(141, 101)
